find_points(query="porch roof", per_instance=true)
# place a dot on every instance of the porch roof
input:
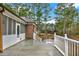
(26, 20)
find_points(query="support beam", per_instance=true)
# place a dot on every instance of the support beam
(1, 46)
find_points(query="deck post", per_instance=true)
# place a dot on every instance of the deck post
(54, 38)
(1, 44)
(34, 35)
(66, 45)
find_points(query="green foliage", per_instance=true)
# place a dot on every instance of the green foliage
(66, 13)
(38, 12)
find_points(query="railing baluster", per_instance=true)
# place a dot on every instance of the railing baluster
(67, 46)
(72, 48)
(77, 49)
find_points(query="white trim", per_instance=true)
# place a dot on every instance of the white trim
(12, 26)
(60, 36)
(66, 47)
(19, 29)
(77, 49)
(66, 39)
(9, 40)
(72, 49)
(75, 41)
(10, 15)
(7, 24)
(59, 50)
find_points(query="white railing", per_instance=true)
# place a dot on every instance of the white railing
(34, 35)
(67, 46)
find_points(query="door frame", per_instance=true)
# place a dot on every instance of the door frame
(18, 36)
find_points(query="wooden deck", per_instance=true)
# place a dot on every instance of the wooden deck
(32, 48)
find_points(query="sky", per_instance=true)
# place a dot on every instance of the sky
(76, 5)
(53, 6)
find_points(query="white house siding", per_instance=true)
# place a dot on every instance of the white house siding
(22, 36)
(9, 40)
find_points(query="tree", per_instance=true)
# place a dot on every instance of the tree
(35, 11)
(66, 13)
(41, 13)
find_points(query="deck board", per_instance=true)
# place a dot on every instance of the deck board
(31, 48)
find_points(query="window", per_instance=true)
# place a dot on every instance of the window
(4, 25)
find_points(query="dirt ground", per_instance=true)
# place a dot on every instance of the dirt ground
(46, 36)
(75, 37)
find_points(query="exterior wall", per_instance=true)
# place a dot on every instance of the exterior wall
(9, 40)
(29, 31)
(22, 36)
(35, 32)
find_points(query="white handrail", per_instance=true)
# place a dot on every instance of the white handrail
(74, 45)
(76, 41)
(60, 36)
(73, 40)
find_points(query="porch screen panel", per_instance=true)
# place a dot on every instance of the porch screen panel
(9, 26)
(14, 27)
(4, 25)
(22, 28)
